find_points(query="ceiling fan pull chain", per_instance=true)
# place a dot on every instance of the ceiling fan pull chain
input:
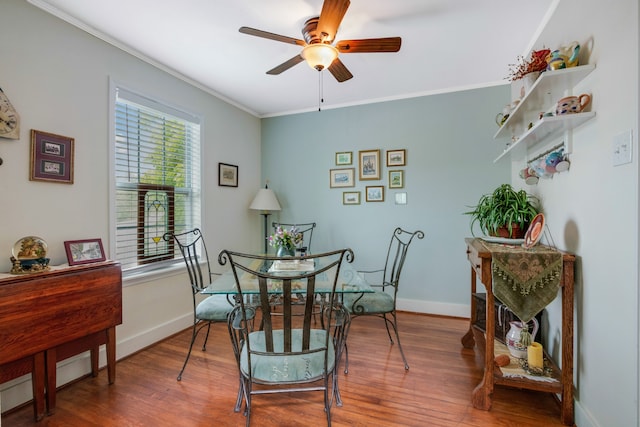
(320, 90)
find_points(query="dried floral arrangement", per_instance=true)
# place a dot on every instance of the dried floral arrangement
(523, 66)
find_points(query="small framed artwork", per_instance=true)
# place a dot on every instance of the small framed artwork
(375, 193)
(84, 251)
(396, 157)
(396, 179)
(227, 175)
(344, 158)
(342, 178)
(351, 198)
(51, 157)
(369, 164)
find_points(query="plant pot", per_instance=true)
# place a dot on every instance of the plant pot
(516, 232)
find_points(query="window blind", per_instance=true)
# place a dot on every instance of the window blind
(157, 177)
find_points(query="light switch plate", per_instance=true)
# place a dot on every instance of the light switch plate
(401, 198)
(621, 147)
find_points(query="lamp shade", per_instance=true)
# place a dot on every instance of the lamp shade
(265, 200)
(319, 55)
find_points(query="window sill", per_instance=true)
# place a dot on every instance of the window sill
(133, 278)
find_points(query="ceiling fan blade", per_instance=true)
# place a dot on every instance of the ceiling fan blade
(388, 44)
(271, 36)
(286, 65)
(339, 71)
(330, 18)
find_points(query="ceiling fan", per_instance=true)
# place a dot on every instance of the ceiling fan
(317, 47)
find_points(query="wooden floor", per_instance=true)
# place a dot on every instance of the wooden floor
(377, 391)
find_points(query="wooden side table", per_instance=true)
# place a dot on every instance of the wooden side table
(480, 258)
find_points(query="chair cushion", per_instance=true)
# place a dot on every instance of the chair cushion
(286, 368)
(215, 308)
(370, 303)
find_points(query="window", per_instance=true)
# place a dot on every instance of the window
(157, 178)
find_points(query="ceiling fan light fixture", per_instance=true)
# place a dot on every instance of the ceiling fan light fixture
(319, 55)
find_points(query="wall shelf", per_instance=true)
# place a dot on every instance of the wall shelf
(545, 92)
(545, 128)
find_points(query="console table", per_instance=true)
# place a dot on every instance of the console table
(481, 267)
(50, 316)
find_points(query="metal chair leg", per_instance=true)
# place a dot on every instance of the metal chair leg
(206, 338)
(194, 334)
(395, 329)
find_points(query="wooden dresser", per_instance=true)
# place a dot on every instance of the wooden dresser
(47, 317)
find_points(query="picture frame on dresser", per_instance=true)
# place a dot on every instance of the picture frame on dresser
(84, 251)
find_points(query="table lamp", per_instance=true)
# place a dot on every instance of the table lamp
(266, 202)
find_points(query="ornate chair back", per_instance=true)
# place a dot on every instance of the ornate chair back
(288, 350)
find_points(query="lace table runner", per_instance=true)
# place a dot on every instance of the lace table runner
(525, 280)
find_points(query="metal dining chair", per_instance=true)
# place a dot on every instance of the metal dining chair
(212, 309)
(382, 302)
(289, 353)
(306, 229)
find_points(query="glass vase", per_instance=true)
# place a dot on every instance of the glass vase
(284, 251)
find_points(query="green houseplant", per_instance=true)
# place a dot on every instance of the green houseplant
(505, 212)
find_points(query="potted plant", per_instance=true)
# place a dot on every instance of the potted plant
(504, 213)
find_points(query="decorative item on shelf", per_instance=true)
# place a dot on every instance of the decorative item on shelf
(572, 104)
(535, 356)
(563, 57)
(524, 73)
(285, 241)
(519, 337)
(534, 232)
(505, 212)
(28, 255)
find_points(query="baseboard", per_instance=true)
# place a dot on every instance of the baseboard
(430, 307)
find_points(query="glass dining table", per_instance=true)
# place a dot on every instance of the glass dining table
(349, 281)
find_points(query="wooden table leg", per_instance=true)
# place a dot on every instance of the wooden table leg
(467, 339)
(481, 397)
(38, 385)
(111, 354)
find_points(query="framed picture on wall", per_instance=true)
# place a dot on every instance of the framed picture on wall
(375, 193)
(227, 175)
(396, 179)
(369, 164)
(351, 198)
(51, 157)
(396, 157)
(344, 158)
(342, 178)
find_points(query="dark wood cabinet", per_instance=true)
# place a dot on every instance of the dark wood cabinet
(49, 316)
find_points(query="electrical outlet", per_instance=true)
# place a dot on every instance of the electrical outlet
(622, 144)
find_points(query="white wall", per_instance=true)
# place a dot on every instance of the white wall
(592, 211)
(57, 78)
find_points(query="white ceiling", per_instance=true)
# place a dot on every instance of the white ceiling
(446, 45)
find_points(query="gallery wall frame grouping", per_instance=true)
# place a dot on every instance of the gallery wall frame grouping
(369, 166)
